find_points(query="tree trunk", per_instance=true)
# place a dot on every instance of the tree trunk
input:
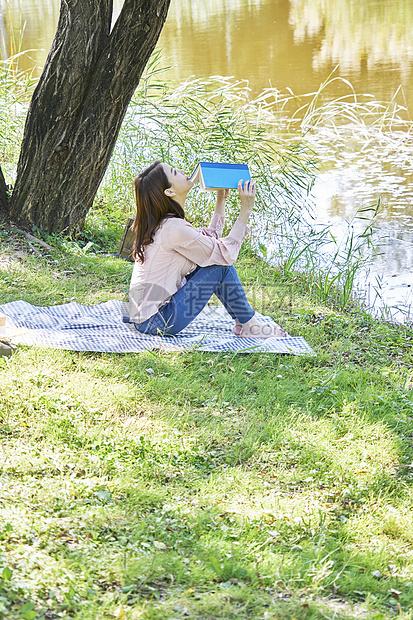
(4, 201)
(78, 107)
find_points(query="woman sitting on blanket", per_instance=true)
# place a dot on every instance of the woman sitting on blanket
(178, 267)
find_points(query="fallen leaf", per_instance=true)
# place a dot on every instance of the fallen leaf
(120, 613)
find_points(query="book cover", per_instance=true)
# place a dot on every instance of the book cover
(214, 176)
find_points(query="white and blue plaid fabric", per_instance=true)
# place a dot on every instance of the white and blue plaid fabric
(105, 327)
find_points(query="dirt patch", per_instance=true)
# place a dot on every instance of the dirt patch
(15, 247)
(8, 261)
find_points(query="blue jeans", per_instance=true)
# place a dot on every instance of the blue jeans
(189, 300)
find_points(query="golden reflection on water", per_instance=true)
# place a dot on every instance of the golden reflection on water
(294, 43)
(31, 23)
(285, 43)
(370, 32)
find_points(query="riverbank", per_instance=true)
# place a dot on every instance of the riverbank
(198, 485)
(217, 119)
(204, 485)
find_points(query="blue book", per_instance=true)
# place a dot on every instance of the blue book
(212, 176)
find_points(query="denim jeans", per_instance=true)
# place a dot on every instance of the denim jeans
(189, 300)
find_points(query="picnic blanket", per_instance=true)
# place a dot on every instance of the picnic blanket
(105, 328)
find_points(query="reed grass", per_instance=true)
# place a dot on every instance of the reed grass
(11, 38)
(218, 119)
(16, 88)
(213, 119)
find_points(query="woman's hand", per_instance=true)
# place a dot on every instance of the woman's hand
(247, 197)
(222, 195)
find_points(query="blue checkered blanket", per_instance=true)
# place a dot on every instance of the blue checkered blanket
(105, 327)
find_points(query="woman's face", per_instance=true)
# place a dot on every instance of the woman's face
(180, 182)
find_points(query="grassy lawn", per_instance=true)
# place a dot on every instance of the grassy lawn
(202, 485)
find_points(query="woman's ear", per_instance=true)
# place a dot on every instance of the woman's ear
(169, 191)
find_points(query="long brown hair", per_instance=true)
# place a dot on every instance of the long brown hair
(152, 206)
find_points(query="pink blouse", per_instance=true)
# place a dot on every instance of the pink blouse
(176, 250)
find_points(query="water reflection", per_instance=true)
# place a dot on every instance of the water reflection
(358, 35)
(286, 43)
(359, 171)
(295, 43)
(30, 23)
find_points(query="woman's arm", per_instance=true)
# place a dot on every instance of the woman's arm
(216, 225)
(203, 248)
(222, 195)
(247, 197)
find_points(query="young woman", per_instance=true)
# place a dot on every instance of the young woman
(178, 267)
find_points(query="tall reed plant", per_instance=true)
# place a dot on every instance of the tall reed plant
(214, 119)
(12, 27)
(218, 119)
(15, 91)
(16, 87)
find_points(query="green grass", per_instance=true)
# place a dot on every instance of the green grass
(198, 485)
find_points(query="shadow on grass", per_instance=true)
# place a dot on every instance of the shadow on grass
(203, 485)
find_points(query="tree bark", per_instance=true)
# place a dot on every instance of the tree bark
(4, 199)
(78, 107)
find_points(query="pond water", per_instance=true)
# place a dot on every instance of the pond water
(297, 45)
